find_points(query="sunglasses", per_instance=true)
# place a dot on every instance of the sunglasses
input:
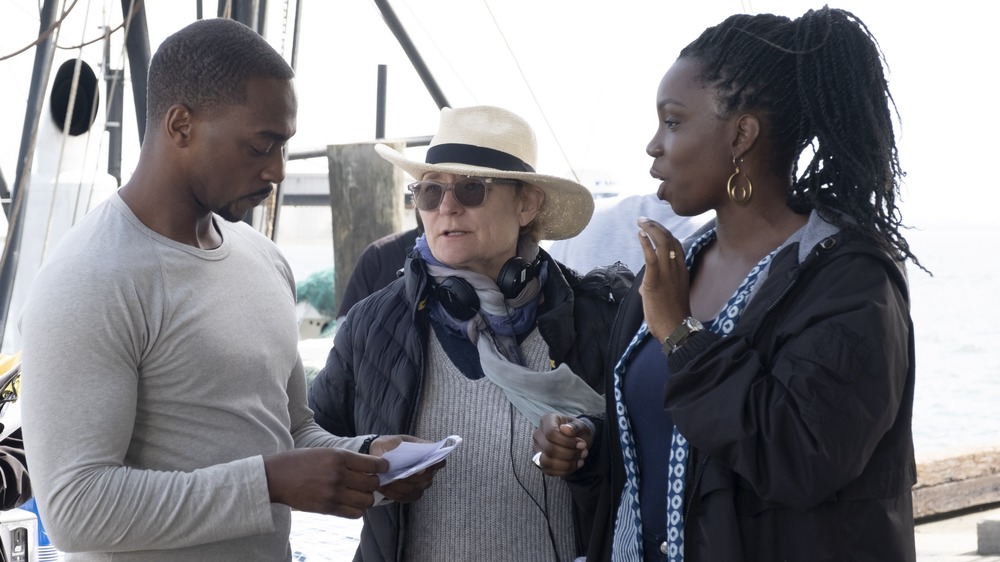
(469, 192)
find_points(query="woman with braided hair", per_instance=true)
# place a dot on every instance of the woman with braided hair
(760, 405)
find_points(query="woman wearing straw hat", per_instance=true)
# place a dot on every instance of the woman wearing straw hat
(482, 334)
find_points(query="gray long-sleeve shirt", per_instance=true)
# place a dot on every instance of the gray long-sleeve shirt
(156, 376)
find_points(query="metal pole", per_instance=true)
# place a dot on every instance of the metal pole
(262, 18)
(411, 52)
(245, 12)
(380, 102)
(44, 53)
(409, 142)
(114, 79)
(137, 45)
(4, 192)
(279, 190)
(295, 34)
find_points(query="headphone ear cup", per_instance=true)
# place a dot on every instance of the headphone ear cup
(513, 276)
(458, 298)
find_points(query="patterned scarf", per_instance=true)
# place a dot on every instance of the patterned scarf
(504, 319)
(494, 331)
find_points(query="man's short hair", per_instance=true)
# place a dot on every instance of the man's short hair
(207, 64)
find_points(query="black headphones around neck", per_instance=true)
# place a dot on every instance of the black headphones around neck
(460, 300)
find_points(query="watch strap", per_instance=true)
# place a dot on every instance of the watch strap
(366, 445)
(681, 333)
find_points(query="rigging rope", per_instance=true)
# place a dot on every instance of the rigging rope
(42, 36)
(135, 5)
(95, 39)
(67, 122)
(430, 37)
(545, 117)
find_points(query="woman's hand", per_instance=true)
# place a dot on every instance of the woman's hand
(563, 442)
(665, 288)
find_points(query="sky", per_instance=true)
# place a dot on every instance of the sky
(583, 73)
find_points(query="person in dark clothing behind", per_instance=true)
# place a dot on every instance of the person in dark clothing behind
(15, 488)
(482, 334)
(761, 406)
(15, 484)
(378, 265)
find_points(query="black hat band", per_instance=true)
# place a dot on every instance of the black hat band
(476, 156)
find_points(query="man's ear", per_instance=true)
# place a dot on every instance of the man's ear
(746, 134)
(178, 124)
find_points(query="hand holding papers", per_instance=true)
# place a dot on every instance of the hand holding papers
(410, 458)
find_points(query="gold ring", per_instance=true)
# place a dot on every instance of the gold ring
(537, 459)
(672, 254)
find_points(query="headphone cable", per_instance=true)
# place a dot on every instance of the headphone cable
(513, 466)
(545, 491)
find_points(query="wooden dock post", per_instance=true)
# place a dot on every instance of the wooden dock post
(365, 204)
(956, 483)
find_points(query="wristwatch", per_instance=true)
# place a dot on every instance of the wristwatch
(688, 326)
(366, 445)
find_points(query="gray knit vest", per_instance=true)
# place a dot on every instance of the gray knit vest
(476, 509)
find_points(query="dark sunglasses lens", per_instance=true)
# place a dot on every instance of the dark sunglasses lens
(427, 195)
(470, 192)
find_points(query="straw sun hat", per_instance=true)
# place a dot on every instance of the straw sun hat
(493, 142)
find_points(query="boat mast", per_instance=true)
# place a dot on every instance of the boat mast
(137, 47)
(411, 52)
(44, 53)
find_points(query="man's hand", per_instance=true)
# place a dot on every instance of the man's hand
(323, 480)
(412, 487)
(564, 442)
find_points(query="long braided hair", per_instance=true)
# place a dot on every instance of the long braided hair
(818, 80)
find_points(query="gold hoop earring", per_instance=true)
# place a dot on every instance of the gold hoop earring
(737, 193)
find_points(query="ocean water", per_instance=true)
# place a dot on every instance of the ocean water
(957, 396)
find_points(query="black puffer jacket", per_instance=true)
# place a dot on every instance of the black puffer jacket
(799, 421)
(372, 379)
(15, 485)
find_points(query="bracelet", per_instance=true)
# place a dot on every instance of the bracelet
(367, 444)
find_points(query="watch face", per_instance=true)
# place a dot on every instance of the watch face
(693, 323)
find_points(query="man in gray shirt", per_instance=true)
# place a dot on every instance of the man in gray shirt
(164, 409)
